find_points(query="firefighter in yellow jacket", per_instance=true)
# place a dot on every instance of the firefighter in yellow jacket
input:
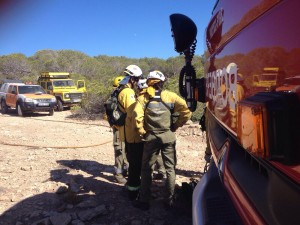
(121, 163)
(153, 120)
(161, 172)
(133, 143)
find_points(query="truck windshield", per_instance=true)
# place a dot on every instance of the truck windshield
(31, 89)
(63, 83)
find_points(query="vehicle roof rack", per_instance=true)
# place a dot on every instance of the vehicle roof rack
(58, 75)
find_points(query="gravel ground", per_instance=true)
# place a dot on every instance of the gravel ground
(57, 170)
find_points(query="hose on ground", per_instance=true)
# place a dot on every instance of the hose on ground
(57, 147)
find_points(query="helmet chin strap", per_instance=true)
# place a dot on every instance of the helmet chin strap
(158, 86)
(131, 82)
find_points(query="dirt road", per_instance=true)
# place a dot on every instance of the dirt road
(58, 170)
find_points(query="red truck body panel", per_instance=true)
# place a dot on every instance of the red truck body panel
(246, 40)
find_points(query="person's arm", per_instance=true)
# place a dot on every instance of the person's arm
(126, 98)
(138, 115)
(180, 107)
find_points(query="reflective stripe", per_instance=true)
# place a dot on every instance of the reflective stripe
(129, 72)
(133, 188)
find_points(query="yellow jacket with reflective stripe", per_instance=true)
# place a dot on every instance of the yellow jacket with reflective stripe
(128, 132)
(169, 98)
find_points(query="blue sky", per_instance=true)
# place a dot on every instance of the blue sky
(129, 28)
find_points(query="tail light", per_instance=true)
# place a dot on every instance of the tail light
(267, 125)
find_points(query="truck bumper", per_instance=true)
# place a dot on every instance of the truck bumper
(211, 203)
(72, 102)
(33, 107)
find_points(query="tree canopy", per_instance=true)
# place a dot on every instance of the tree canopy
(98, 72)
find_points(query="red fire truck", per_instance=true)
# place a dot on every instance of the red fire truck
(253, 135)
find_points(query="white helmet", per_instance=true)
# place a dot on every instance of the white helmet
(231, 67)
(142, 84)
(156, 75)
(133, 70)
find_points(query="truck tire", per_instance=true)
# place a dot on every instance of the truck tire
(51, 112)
(4, 107)
(19, 110)
(60, 106)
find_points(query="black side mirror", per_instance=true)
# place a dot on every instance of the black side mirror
(184, 31)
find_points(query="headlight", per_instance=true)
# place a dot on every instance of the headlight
(67, 96)
(28, 100)
(53, 99)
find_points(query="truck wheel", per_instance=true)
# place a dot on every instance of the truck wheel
(51, 112)
(60, 106)
(4, 107)
(19, 110)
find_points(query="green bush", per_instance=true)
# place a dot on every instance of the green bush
(92, 105)
(198, 113)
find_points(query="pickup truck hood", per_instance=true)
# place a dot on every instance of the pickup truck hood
(37, 96)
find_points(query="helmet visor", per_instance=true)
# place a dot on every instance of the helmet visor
(125, 80)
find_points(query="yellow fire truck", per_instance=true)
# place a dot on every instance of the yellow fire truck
(63, 88)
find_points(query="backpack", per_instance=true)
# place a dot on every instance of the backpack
(158, 99)
(114, 115)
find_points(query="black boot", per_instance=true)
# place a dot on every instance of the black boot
(141, 205)
(125, 173)
(169, 203)
(133, 195)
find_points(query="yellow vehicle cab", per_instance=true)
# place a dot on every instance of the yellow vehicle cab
(63, 88)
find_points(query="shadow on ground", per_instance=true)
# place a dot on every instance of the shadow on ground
(88, 185)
